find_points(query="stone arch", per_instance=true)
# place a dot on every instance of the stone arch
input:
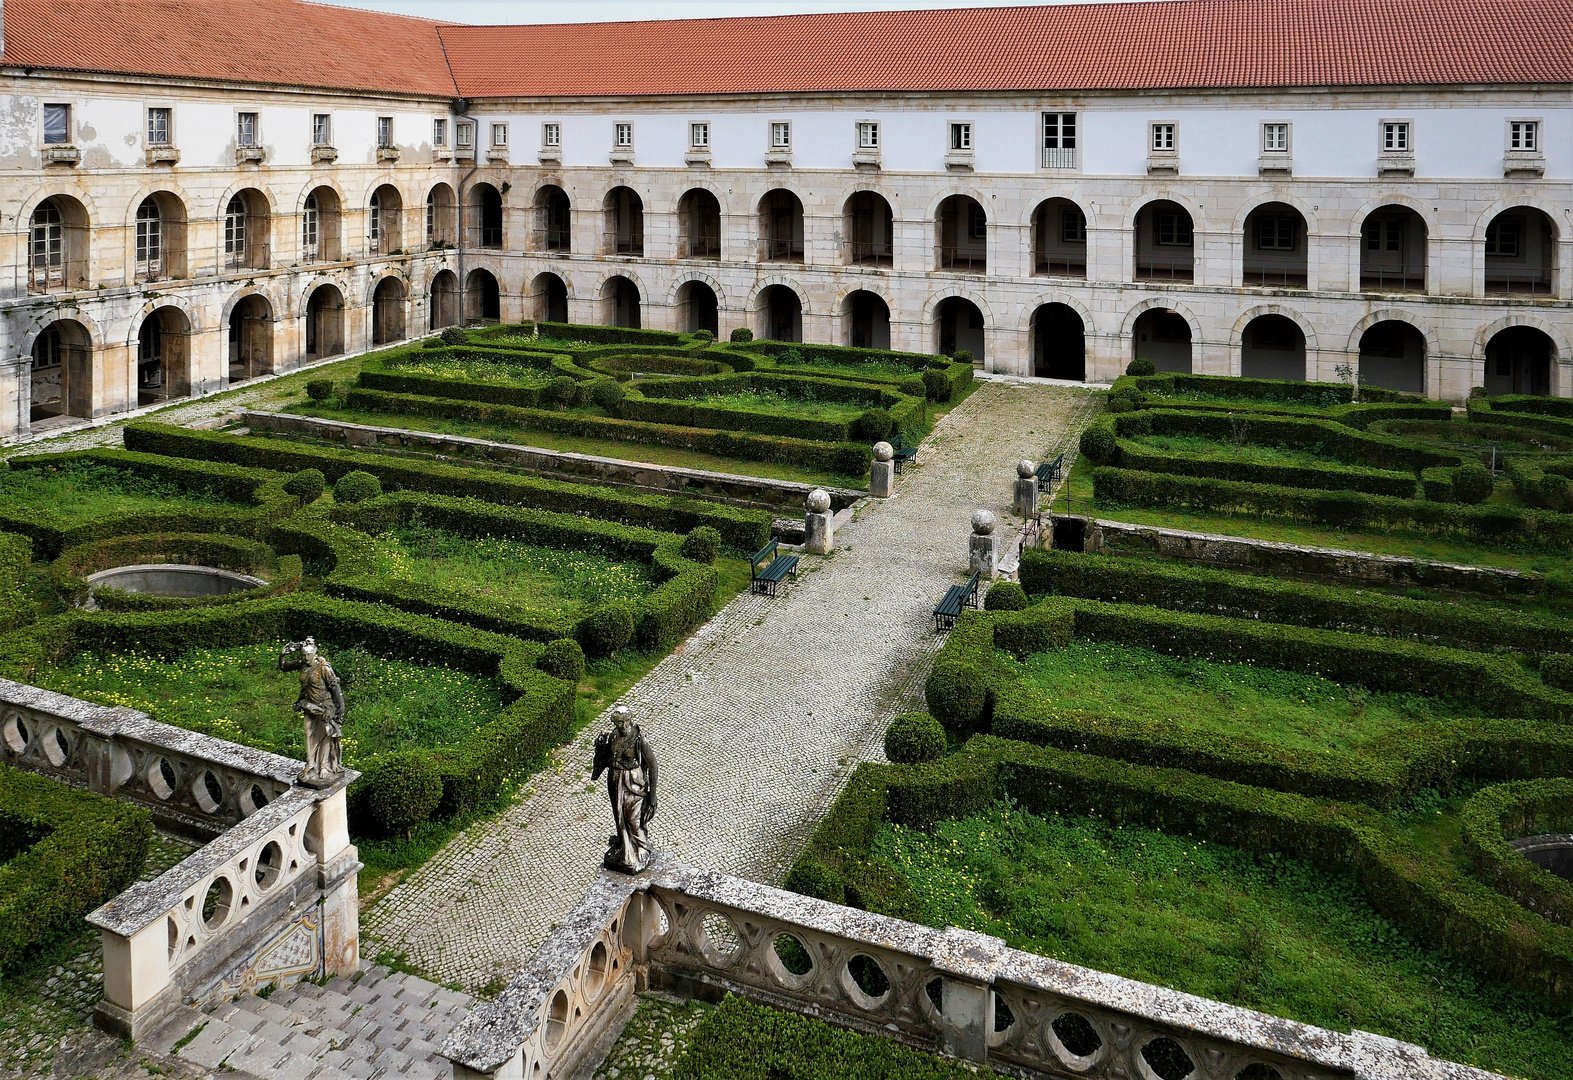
(389, 303)
(61, 358)
(977, 195)
(699, 183)
(864, 325)
(165, 255)
(763, 283)
(319, 182)
(839, 198)
(1237, 333)
(1263, 197)
(268, 291)
(686, 276)
(251, 321)
(1433, 344)
(69, 190)
(696, 300)
(324, 307)
(1273, 344)
(165, 300)
(878, 288)
(482, 296)
(1128, 323)
(1559, 340)
(546, 303)
(303, 293)
(162, 344)
(66, 313)
(1394, 198)
(1051, 296)
(629, 272)
(66, 224)
(443, 306)
(931, 305)
(1183, 201)
(166, 186)
(622, 300)
(1032, 206)
(248, 183)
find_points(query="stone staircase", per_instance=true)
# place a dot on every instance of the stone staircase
(376, 1024)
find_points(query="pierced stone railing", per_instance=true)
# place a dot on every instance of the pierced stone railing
(703, 934)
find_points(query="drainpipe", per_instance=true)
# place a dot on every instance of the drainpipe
(461, 110)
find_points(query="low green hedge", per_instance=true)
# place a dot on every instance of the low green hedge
(612, 335)
(1546, 414)
(16, 556)
(837, 354)
(1182, 587)
(746, 530)
(1144, 458)
(68, 574)
(1539, 487)
(63, 853)
(1528, 808)
(1329, 437)
(666, 401)
(1287, 391)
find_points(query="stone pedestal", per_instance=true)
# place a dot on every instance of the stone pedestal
(1026, 497)
(882, 474)
(984, 550)
(819, 526)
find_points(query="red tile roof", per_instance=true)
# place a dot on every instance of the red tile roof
(1070, 47)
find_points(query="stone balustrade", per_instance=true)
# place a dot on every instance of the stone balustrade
(704, 934)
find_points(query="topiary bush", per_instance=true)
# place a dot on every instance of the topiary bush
(307, 485)
(1098, 445)
(790, 356)
(741, 334)
(872, 426)
(1141, 366)
(957, 694)
(702, 545)
(607, 628)
(562, 390)
(913, 738)
(454, 335)
(1005, 596)
(810, 877)
(319, 389)
(1120, 405)
(608, 394)
(703, 335)
(937, 363)
(356, 486)
(936, 384)
(961, 356)
(401, 791)
(1472, 483)
(563, 659)
(912, 386)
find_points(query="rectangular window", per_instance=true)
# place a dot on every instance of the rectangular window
(1275, 138)
(246, 129)
(1059, 140)
(158, 133)
(961, 136)
(439, 133)
(1174, 230)
(980, 223)
(1073, 227)
(464, 135)
(1523, 136)
(699, 136)
(384, 132)
(868, 135)
(551, 134)
(1275, 233)
(1163, 138)
(1395, 137)
(321, 129)
(781, 135)
(57, 124)
(1502, 237)
(499, 134)
(1384, 234)
(623, 136)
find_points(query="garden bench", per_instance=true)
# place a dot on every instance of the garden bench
(957, 596)
(1049, 472)
(766, 580)
(903, 454)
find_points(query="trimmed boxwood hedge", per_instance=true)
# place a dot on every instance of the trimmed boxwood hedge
(1276, 390)
(1135, 455)
(1552, 415)
(16, 555)
(68, 574)
(63, 852)
(1329, 437)
(612, 335)
(1528, 808)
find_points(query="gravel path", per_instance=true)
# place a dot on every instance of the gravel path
(757, 719)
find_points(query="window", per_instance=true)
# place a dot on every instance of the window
(309, 223)
(431, 218)
(1174, 230)
(1384, 234)
(1523, 136)
(551, 135)
(158, 127)
(57, 124)
(1163, 138)
(868, 135)
(961, 136)
(150, 240)
(46, 247)
(374, 225)
(246, 129)
(235, 232)
(699, 136)
(464, 135)
(780, 135)
(321, 129)
(499, 134)
(1395, 137)
(1502, 237)
(384, 132)
(1073, 227)
(1275, 138)
(1276, 233)
(623, 136)
(439, 133)
(980, 223)
(1059, 140)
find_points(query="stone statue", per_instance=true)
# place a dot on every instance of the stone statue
(321, 702)
(630, 768)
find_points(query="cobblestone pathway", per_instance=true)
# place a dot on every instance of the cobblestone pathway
(757, 720)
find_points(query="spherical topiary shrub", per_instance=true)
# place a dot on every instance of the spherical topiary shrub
(319, 389)
(1005, 596)
(872, 426)
(307, 485)
(957, 695)
(562, 390)
(402, 789)
(810, 877)
(1141, 366)
(607, 394)
(1120, 405)
(703, 335)
(914, 737)
(454, 335)
(357, 486)
(742, 333)
(962, 356)
(1472, 483)
(1477, 392)
(912, 386)
(607, 628)
(936, 384)
(938, 363)
(563, 659)
(702, 545)
(1097, 444)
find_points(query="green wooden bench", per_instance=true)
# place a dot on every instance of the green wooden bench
(766, 580)
(956, 597)
(903, 454)
(1049, 472)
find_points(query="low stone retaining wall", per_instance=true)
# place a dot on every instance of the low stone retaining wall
(1549, 851)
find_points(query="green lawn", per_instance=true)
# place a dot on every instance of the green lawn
(877, 369)
(772, 403)
(1264, 932)
(489, 372)
(1266, 455)
(78, 491)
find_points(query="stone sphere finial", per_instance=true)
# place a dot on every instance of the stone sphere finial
(883, 451)
(983, 522)
(1025, 469)
(818, 501)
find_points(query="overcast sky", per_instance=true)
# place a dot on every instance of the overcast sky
(546, 11)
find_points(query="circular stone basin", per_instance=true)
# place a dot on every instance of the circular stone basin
(1549, 851)
(174, 580)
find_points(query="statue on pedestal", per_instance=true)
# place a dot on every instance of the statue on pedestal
(321, 702)
(630, 768)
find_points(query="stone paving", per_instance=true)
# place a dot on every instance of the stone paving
(757, 719)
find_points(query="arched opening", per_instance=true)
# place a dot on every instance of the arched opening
(552, 227)
(780, 314)
(867, 320)
(321, 227)
(387, 311)
(961, 236)
(160, 237)
(485, 217)
(442, 229)
(57, 246)
(443, 308)
(549, 298)
(247, 227)
(385, 222)
(1059, 341)
(959, 325)
(780, 227)
(1393, 355)
(482, 298)
(1275, 247)
(163, 356)
(1165, 245)
(62, 378)
(1164, 337)
(250, 339)
(1393, 251)
(698, 308)
(324, 323)
(1059, 239)
(1518, 361)
(1521, 253)
(1272, 347)
(699, 225)
(624, 211)
(620, 303)
(870, 230)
